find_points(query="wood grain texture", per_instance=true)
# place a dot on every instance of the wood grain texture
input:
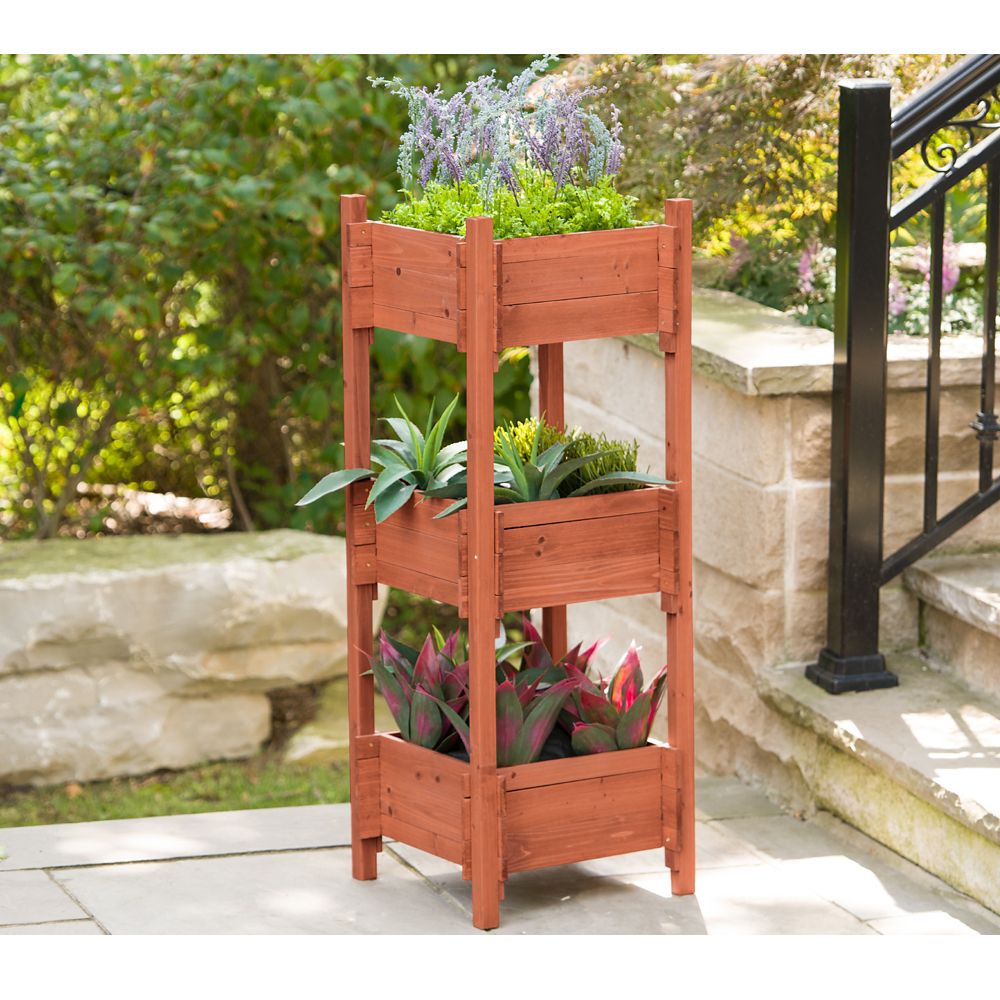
(361, 591)
(584, 560)
(597, 273)
(552, 406)
(578, 319)
(604, 242)
(520, 515)
(598, 765)
(481, 351)
(579, 820)
(420, 324)
(680, 630)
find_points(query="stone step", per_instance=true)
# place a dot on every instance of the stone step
(916, 767)
(960, 616)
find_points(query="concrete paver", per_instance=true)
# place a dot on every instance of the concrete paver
(33, 898)
(161, 837)
(289, 871)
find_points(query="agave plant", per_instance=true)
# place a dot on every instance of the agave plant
(616, 715)
(416, 685)
(520, 479)
(414, 460)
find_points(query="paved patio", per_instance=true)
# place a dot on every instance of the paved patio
(287, 871)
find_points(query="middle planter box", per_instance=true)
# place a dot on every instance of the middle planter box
(549, 553)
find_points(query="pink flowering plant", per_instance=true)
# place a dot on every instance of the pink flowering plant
(529, 153)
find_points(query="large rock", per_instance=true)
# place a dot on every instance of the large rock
(121, 655)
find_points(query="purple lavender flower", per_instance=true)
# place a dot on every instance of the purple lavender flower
(897, 296)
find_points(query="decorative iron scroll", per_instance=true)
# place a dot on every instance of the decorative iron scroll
(948, 152)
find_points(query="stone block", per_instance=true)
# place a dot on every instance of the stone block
(739, 527)
(123, 655)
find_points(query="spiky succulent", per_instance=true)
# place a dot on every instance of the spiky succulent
(615, 715)
(413, 460)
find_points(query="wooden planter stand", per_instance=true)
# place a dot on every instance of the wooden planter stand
(483, 295)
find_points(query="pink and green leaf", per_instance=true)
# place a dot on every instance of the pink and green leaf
(510, 718)
(425, 719)
(538, 722)
(595, 707)
(627, 681)
(592, 737)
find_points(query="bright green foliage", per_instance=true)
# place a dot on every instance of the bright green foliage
(170, 268)
(613, 456)
(413, 460)
(537, 210)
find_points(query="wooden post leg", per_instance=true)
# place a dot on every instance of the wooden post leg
(552, 406)
(485, 792)
(360, 596)
(680, 630)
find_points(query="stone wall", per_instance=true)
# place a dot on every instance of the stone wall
(123, 655)
(761, 400)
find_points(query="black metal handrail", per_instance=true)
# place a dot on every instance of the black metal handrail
(870, 140)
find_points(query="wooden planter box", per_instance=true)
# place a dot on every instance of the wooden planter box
(483, 295)
(549, 553)
(551, 812)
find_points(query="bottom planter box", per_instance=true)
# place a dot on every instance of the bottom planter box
(551, 812)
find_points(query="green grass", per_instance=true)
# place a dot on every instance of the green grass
(258, 783)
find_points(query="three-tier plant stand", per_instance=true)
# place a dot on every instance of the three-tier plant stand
(484, 295)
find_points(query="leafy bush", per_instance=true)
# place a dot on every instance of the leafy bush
(613, 455)
(538, 209)
(169, 276)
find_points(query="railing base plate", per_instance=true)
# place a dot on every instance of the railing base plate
(837, 674)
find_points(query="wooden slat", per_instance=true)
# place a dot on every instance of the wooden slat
(362, 310)
(418, 514)
(599, 272)
(364, 525)
(576, 561)
(668, 246)
(578, 319)
(611, 241)
(407, 578)
(456, 771)
(366, 804)
(579, 820)
(420, 324)
(671, 805)
(363, 563)
(416, 249)
(359, 234)
(424, 840)
(405, 288)
(680, 629)
(598, 765)
(420, 794)
(356, 318)
(483, 612)
(520, 515)
(359, 267)
(432, 555)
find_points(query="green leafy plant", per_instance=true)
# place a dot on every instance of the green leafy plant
(615, 715)
(414, 460)
(538, 209)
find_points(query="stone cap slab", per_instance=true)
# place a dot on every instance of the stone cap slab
(761, 351)
(138, 553)
(931, 735)
(965, 586)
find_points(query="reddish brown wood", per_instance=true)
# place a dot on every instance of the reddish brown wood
(598, 765)
(482, 294)
(361, 590)
(680, 631)
(605, 242)
(578, 319)
(552, 406)
(481, 350)
(581, 560)
(578, 820)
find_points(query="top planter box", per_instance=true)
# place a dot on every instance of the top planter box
(550, 289)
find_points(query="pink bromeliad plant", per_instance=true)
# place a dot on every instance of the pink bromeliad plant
(616, 714)
(427, 691)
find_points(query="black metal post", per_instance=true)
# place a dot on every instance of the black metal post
(851, 660)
